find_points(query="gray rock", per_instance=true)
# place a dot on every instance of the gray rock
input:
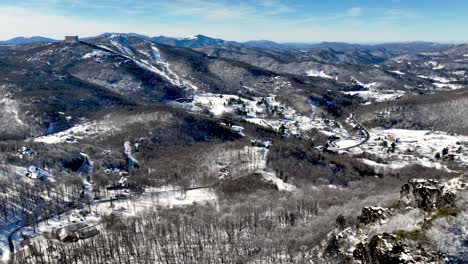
(426, 194)
(372, 214)
(388, 248)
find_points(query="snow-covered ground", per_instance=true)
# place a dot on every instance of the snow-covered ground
(442, 82)
(156, 64)
(77, 132)
(315, 73)
(50, 225)
(349, 141)
(96, 54)
(415, 147)
(105, 126)
(459, 73)
(373, 93)
(451, 86)
(167, 196)
(346, 143)
(266, 112)
(398, 72)
(262, 168)
(131, 161)
(377, 95)
(9, 112)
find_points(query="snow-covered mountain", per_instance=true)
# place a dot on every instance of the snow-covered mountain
(192, 41)
(163, 150)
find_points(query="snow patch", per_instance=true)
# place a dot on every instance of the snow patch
(96, 54)
(259, 111)
(451, 86)
(415, 147)
(321, 74)
(398, 72)
(156, 53)
(377, 95)
(10, 112)
(437, 78)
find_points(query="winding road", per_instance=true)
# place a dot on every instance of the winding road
(364, 141)
(25, 225)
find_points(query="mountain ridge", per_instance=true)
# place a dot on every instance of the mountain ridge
(201, 40)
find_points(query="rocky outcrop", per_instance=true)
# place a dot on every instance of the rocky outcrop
(395, 235)
(387, 248)
(372, 214)
(337, 246)
(426, 194)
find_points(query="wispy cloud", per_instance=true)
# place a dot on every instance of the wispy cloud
(279, 20)
(220, 10)
(399, 14)
(25, 22)
(201, 9)
(275, 7)
(353, 12)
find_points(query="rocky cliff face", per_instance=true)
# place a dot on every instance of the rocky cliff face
(372, 214)
(399, 234)
(426, 194)
(388, 248)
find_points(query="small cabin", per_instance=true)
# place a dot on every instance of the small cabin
(261, 143)
(75, 232)
(71, 38)
(37, 173)
(25, 151)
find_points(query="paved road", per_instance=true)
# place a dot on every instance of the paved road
(364, 141)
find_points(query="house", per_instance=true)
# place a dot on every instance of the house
(37, 173)
(261, 143)
(67, 233)
(75, 232)
(25, 151)
(87, 232)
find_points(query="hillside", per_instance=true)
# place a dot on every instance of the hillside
(123, 148)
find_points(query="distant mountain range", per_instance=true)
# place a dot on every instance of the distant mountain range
(23, 40)
(205, 41)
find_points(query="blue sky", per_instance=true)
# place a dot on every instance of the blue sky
(365, 21)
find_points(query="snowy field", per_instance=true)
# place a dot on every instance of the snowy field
(444, 83)
(373, 93)
(377, 95)
(162, 197)
(249, 160)
(416, 147)
(347, 143)
(266, 112)
(105, 126)
(321, 74)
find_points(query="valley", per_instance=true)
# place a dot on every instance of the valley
(124, 148)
